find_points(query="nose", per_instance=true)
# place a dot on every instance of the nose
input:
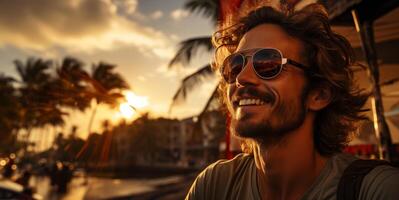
(247, 76)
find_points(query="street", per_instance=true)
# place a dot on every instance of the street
(105, 188)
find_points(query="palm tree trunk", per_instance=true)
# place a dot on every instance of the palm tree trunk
(26, 145)
(92, 118)
(85, 146)
(14, 140)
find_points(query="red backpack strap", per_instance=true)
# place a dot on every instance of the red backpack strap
(351, 180)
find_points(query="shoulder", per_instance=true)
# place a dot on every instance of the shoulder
(217, 175)
(343, 160)
(381, 183)
(326, 184)
(336, 166)
(220, 167)
(223, 169)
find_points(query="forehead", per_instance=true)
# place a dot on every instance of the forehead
(273, 36)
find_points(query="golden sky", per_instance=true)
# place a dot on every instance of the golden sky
(139, 36)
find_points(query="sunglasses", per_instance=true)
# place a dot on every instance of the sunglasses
(266, 62)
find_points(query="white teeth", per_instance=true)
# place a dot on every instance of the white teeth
(245, 102)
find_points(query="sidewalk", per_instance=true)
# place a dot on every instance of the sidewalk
(76, 189)
(166, 188)
(170, 191)
(132, 188)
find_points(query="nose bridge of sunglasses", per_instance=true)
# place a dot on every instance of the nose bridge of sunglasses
(247, 59)
(247, 64)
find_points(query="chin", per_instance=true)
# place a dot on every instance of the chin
(246, 129)
(264, 132)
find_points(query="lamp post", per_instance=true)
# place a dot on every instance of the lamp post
(364, 26)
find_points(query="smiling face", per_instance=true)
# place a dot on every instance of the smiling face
(266, 109)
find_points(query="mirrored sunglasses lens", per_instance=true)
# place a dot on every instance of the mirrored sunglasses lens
(232, 67)
(267, 63)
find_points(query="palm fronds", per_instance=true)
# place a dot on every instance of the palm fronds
(188, 48)
(212, 103)
(104, 79)
(208, 8)
(189, 82)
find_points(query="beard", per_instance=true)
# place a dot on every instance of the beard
(285, 118)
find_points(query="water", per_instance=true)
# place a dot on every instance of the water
(99, 188)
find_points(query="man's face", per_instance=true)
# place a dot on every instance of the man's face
(284, 97)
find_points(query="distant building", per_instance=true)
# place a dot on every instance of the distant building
(169, 142)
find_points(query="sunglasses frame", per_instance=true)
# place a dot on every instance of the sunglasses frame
(284, 61)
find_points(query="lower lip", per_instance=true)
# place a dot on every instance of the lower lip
(250, 108)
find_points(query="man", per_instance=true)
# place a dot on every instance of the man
(288, 87)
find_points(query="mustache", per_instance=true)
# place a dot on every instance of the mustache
(266, 96)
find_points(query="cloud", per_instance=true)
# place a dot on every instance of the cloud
(179, 72)
(174, 37)
(156, 15)
(126, 6)
(164, 70)
(77, 25)
(208, 85)
(179, 14)
(142, 78)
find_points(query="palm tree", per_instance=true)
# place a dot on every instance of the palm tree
(9, 112)
(39, 105)
(106, 87)
(35, 82)
(209, 9)
(71, 81)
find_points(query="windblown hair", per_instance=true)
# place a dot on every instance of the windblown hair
(328, 54)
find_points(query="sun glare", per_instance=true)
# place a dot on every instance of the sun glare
(126, 110)
(135, 100)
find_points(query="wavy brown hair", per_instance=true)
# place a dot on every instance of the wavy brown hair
(328, 54)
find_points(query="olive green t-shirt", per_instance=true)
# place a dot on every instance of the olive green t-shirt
(237, 179)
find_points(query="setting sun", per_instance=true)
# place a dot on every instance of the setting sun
(135, 100)
(126, 110)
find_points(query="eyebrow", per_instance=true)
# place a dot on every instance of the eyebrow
(247, 50)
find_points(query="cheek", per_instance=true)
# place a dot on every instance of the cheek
(291, 86)
(229, 95)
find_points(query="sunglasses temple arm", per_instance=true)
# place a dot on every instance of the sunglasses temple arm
(296, 64)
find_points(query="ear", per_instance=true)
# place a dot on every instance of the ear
(319, 97)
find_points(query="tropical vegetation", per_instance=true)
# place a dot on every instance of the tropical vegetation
(189, 47)
(45, 92)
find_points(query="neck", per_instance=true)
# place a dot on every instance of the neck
(287, 169)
